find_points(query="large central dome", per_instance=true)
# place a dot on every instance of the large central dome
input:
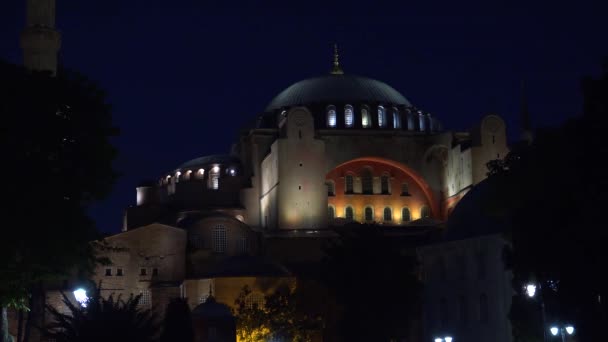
(337, 88)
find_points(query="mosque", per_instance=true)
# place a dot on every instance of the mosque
(326, 151)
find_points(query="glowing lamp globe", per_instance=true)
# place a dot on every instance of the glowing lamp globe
(447, 339)
(438, 340)
(530, 290)
(554, 331)
(570, 329)
(81, 296)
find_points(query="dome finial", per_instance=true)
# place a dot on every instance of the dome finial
(336, 69)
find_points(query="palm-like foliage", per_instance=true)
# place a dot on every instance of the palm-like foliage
(110, 319)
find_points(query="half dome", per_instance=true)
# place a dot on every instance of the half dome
(337, 88)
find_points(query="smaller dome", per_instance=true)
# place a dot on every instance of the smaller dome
(212, 159)
(212, 309)
(471, 217)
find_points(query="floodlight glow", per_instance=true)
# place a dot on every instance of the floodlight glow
(530, 290)
(81, 297)
(216, 169)
(570, 329)
(448, 339)
(438, 340)
(554, 331)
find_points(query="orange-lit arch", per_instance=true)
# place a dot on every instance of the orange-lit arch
(420, 182)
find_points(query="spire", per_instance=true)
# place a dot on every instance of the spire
(40, 41)
(525, 122)
(336, 70)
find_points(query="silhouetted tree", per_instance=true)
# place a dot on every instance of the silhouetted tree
(110, 319)
(375, 284)
(177, 326)
(554, 193)
(56, 160)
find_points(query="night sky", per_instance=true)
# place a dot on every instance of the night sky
(183, 76)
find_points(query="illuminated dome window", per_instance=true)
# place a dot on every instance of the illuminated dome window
(331, 116)
(349, 119)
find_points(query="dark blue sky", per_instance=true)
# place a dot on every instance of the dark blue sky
(183, 75)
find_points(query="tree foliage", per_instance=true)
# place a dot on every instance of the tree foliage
(375, 284)
(177, 326)
(57, 159)
(278, 319)
(104, 320)
(554, 192)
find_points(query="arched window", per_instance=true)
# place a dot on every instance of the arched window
(331, 116)
(384, 184)
(348, 184)
(388, 215)
(396, 119)
(410, 120)
(243, 245)
(381, 117)
(366, 119)
(196, 241)
(483, 308)
(255, 300)
(331, 189)
(349, 213)
(214, 178)
(331, 212)
(422, 120)
(219, 239)
(406, 216)
(349, 119)
(367, 182)
(405, 191)
(369, 214)
(425, 212)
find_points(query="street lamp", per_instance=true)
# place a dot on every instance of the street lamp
(81, 296)
(531, 290)
(568, 329)
(445, 339)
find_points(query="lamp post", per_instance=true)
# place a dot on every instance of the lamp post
(444, 339)
(531, 291)
(563, 330)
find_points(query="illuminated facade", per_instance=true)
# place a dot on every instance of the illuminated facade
(326, 151)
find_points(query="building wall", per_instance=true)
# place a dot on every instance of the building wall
(269, 188)
(302, 194)
(408, 148)
(457, 275)
(151, 247)
(490, 142)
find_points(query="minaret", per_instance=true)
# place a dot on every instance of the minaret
(336, 70)
(40, 41)
(525, 122)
